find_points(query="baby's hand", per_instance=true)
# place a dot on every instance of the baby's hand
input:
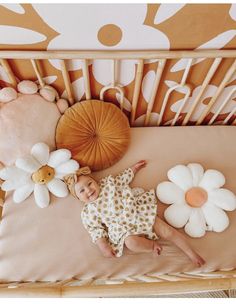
(139, 165)
(197, 259)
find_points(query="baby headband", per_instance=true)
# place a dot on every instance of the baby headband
(71, 179)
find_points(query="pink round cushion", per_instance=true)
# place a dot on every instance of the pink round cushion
(23, 122)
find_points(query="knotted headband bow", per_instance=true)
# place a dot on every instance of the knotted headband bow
(71, 179)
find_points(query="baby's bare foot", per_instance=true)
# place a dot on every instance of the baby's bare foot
(156, 248)
(197, 260)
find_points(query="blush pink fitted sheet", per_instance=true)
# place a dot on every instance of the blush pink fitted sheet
(51, 244)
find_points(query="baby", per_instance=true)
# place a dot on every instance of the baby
(115, 217)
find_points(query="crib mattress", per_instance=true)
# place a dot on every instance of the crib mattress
(51, 244)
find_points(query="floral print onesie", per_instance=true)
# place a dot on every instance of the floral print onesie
(117, 213)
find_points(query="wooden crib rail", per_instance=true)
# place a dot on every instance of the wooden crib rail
(139, 286)
(162, 58)
(121, 54)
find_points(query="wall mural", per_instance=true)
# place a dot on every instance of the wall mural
(123, 26)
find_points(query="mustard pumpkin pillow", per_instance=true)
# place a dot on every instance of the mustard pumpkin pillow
(97, 133)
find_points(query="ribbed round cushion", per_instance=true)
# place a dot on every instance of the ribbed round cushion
(96, 133)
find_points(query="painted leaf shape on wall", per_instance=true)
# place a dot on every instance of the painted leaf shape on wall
(232, 11)
(3, 75)
(78, 89)
(170, 84)
(166, 11)
(127, 104)
(230, 104)
(209, 92)
(48, 79)
(217, 42)
(147, 85)
(16, 8)
(19, 35)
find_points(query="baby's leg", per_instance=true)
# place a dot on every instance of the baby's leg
(141, 244)
(171, 234)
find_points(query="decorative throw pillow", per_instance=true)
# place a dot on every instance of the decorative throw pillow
(197, 199)
(40, 172)
(97, 133)
(23, 122)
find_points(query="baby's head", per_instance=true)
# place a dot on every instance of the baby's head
(86, 189)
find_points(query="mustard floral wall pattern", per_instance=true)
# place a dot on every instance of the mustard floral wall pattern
(120, 27)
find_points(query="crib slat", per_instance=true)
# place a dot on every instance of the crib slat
(221, 87)
(37, 72)
(137, 88)
(67, 83)
(114, 84)
(114, 71)
(182, 105)
(222, 106)
(229, 116)
(170, 90)
(86, 79)
(159, 71)
(9, 72)
(204, 85)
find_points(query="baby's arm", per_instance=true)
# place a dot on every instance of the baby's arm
(127, 175)
(139, 165)
(105, 248)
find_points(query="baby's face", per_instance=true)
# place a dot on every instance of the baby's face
(87, 189)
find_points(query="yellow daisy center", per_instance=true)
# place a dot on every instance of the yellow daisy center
(43, 175)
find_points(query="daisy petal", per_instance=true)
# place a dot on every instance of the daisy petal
(197, 173)
(181, 176)
(169, 193)
(23, 192)
(212, 179)
(68, 167)
(16, 179)
(40, 152)
(58, 188)
(223, 198)
(11, 173)
(41, 195)
(216, 218)
(59, 157)
(177, 215)
(196, 227)
(28, 164)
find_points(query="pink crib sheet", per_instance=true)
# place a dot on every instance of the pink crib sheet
(51, 244)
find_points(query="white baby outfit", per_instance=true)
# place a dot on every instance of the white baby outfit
(118, 213)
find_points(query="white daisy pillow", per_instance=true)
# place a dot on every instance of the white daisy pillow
(40, 172)
(197, 199)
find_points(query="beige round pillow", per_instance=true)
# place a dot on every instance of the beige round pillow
(97, 133)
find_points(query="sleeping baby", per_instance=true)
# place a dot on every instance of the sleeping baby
(115, 216)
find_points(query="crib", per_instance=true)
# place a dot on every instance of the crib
(218, 66)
